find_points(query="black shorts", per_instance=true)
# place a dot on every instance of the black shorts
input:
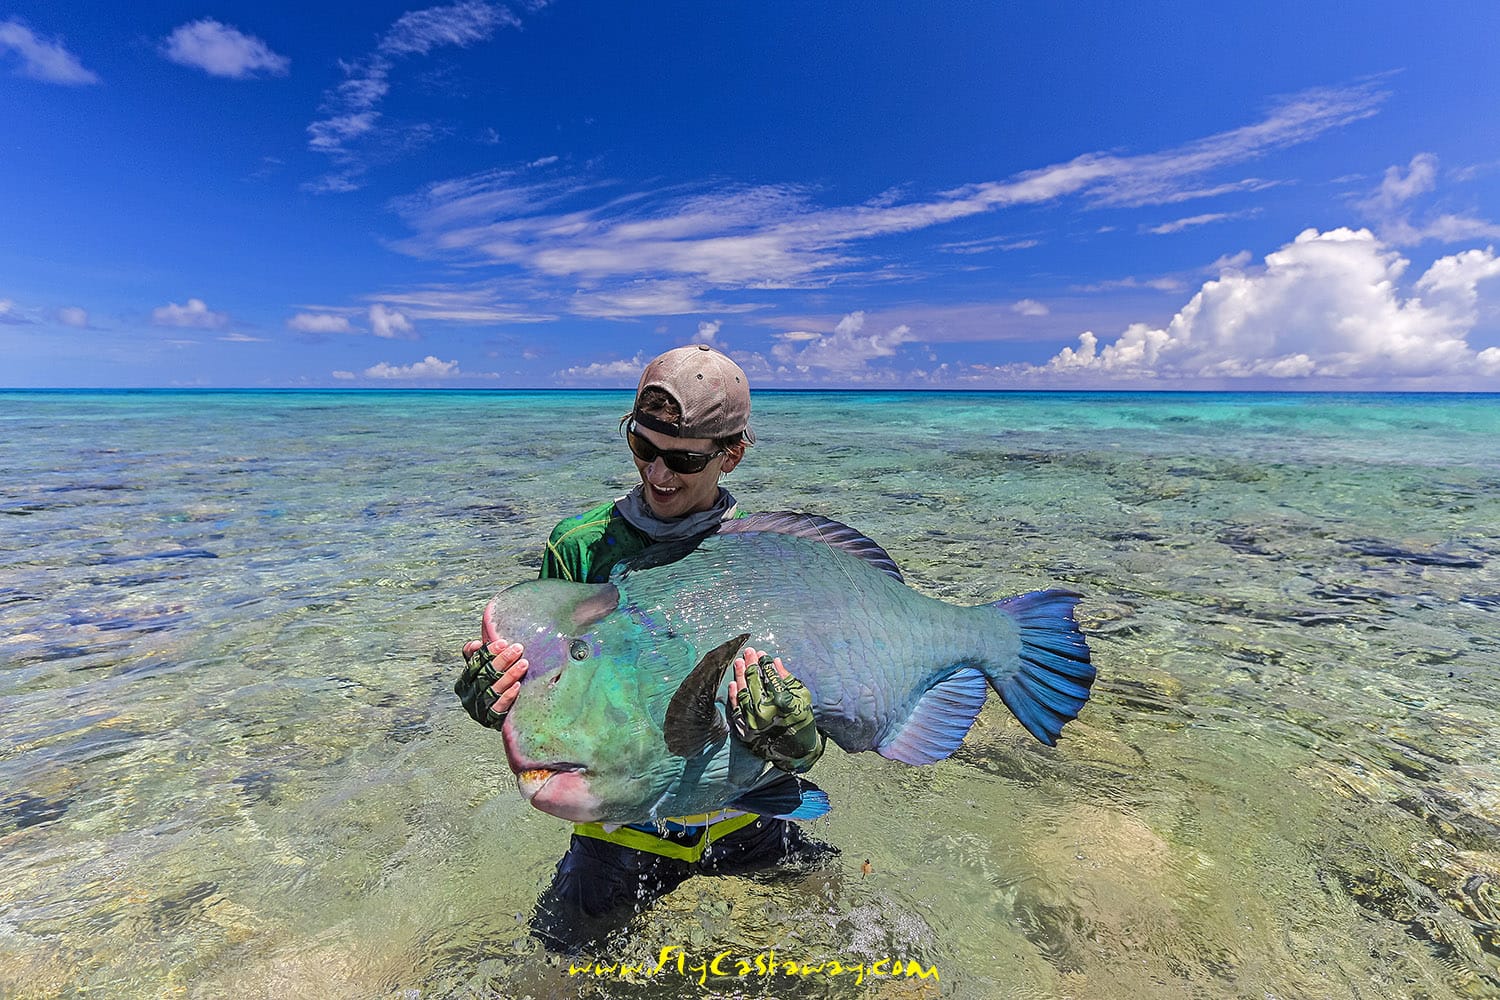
(600, 885)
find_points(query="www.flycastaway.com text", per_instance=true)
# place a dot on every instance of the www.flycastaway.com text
(727, 965)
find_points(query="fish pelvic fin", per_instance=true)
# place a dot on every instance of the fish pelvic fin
(1051, 681)
(693, 722)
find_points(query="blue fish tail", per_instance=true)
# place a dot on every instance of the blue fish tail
(1051, 682)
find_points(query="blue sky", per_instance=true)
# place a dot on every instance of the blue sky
(945, 195)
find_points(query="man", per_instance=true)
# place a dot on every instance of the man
(689, 427)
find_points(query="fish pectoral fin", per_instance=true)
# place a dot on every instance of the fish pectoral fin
(790, 798)
(693, 721)
(940, 720)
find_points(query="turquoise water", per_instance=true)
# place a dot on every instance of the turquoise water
(231, 762)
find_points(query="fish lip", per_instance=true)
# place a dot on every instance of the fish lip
(520, 763)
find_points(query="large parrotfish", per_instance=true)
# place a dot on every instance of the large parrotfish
(621, 717)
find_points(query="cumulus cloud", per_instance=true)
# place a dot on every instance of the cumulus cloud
(428, 368)
(1326, 304)
(847, 351)
(48, 61)
(195, 315)
(319, 323)
(221, 50)
(1030, 307)
(707, 331)
(73, 316)
(627, 372)
(352, 110)
(390, 323)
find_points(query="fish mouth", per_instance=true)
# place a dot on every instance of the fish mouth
(560, 788)
(531, 780)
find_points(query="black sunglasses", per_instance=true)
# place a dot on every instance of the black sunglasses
(684, 463)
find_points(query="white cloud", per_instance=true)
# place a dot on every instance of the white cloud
(43, 60)
(1326, 304)
(1191, 221)
(242, 338)
(1391, 206)
(1396, 188)
(629, 371)
(319, 323)
(195, 315)
(428, 368)
(847, 351)
(390, 323)
(353, 108)
(707, 331)
(73, 316)
(344, 376)
(222, 50)
(608, 253)
(1030, 307)
(10, 314)
(475, 303)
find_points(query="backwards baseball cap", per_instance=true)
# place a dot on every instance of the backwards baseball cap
(711, 391)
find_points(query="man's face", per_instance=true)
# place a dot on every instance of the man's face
(676, 494)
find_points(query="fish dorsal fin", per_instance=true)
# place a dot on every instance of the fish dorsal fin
(940, 720)
(693, 722)
(822, 529)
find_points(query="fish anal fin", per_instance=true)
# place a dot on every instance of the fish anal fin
(940, 720)
(693, 722)
(792, 798)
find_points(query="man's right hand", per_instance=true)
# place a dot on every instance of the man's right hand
(490, 680)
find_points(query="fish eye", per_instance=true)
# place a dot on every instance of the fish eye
(578, 649)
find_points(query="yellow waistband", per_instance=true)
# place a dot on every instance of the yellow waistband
(640, 840)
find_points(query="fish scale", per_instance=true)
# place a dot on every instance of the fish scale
(889, 669)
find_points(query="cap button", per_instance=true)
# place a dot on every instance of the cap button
(704, 347)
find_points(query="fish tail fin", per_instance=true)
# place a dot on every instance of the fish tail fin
(1051, 679)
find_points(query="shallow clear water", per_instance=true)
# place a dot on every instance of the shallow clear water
(231, 762)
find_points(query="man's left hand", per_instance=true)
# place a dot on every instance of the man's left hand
(771, 712)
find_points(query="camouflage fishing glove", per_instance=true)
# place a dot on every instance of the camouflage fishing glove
(473, 688)
(773, 717)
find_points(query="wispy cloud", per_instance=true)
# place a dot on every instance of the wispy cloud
(222, 50)
(1392, 207)
(73, 316)
(10, 314)
(666, 249)
(48, 61)
(1029, 307)
(1178, 225)
(482, 302)
(352, 110)
(195, 315)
